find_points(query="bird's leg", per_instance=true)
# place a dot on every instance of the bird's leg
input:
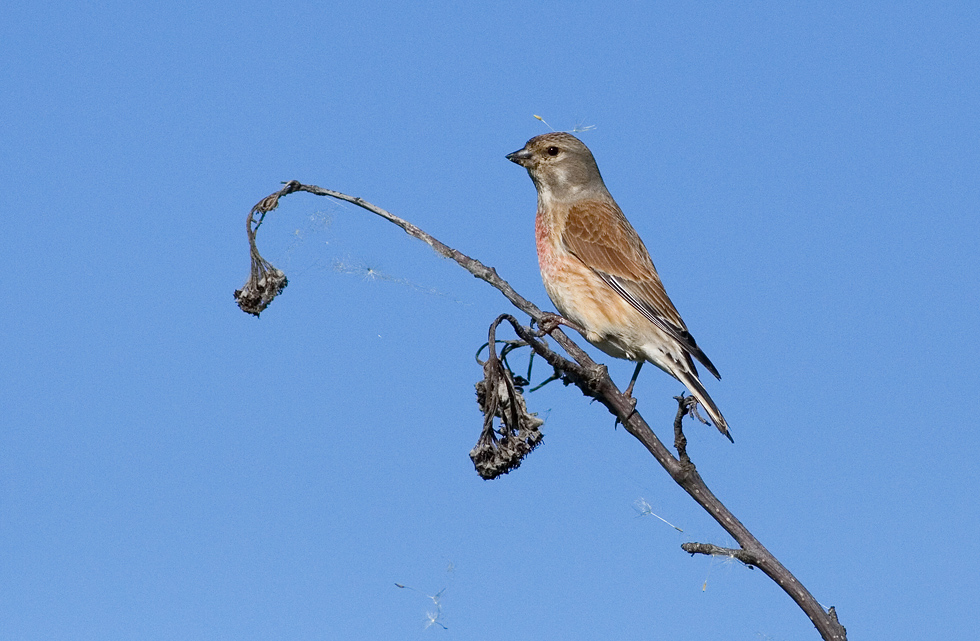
(636, 373)
(629, 390)
(549, 322)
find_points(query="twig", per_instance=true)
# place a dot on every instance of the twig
(680, 441)
(593, 380)
(714, 550)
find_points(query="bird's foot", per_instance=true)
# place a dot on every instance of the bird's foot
(632, 403)
(550, 322)
(629, 391)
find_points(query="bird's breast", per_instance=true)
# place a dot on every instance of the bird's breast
(552, 259)
(609, 322)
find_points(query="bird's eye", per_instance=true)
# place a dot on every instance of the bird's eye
(553, 151)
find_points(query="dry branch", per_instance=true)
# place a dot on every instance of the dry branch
(581, 371)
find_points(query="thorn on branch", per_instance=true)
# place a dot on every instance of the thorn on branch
(500, 397)
(842, 631)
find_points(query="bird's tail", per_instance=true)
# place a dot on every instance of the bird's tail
(694, 385)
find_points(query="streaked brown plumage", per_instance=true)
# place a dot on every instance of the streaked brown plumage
(597, 271)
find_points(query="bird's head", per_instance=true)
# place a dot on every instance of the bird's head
(560, 165)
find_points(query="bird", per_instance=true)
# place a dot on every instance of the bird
(599, 274)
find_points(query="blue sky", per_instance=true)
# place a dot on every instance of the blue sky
(804, 176)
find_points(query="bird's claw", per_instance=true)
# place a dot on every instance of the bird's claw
(549, 322)
(632, 404)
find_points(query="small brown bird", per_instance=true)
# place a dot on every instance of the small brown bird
(597, 271)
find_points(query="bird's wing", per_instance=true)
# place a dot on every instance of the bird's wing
(599, 235)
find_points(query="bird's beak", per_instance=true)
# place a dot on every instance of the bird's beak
(521, 156)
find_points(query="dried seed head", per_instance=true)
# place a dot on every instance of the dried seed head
(265, 282)
(519, 434)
